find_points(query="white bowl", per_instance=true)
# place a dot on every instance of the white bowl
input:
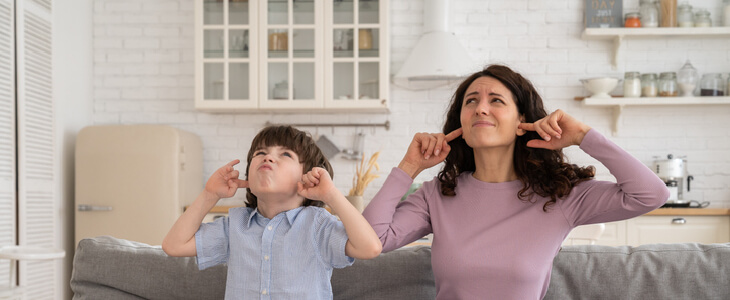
(600, 86)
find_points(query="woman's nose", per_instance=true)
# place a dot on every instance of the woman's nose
(482, 109)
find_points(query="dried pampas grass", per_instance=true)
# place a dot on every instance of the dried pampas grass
(364, 174)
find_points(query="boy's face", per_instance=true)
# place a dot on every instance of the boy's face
(274, 172)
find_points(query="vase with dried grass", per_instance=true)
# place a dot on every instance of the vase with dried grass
(364, 174)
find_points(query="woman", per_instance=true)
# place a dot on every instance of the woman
(505, 199)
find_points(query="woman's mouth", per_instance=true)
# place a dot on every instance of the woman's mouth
(482, 124)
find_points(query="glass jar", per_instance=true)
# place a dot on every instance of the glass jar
(685, 18)
(702, 18)
(668, 12)
(668, 84)
(648, 85)
(726, 12)
(712, 85)
(649, 14)
(278, 40)
(632, 20)
(687, 78)
(632, 84)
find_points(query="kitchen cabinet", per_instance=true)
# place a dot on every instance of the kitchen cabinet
(291, 56)
(691, 225)
(618, 35)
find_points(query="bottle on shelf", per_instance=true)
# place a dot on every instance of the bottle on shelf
(687, 78)
(649, 14)
(632, 84)
(712, 85)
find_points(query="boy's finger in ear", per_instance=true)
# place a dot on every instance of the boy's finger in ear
(241, 183)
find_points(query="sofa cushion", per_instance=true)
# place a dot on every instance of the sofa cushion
(110, 268)
(655, 271)
(401, 274)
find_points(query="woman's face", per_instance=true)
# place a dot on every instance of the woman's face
(489, 115)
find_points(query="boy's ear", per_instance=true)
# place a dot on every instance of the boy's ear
(521, 132)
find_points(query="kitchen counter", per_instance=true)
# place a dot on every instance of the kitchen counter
(657, 212)
(690, 212)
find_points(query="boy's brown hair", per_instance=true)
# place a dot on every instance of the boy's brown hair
(296, 140)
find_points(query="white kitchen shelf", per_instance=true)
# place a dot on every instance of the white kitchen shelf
(619, 103)
(618, 35)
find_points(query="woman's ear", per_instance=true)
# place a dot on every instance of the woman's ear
(521, 132)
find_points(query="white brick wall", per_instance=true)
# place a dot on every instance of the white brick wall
(143, 55)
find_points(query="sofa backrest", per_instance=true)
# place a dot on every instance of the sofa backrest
(109, 268)
(655, 271)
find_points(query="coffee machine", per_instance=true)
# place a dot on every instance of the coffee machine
(673, 171)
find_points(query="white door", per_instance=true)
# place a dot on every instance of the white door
(37, 203)
(7, 130)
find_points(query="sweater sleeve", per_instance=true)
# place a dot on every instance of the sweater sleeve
(398, 224)
(637, 190)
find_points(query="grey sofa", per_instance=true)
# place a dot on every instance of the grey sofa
(110, 268)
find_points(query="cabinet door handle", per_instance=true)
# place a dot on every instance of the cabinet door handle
(679, 221)
(86, 207)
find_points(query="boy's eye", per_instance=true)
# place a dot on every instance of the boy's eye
(259, 153)
(287, 154)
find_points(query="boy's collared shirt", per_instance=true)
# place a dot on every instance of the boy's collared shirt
(290, 256)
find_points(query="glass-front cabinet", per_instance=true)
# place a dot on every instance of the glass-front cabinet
(292, 55)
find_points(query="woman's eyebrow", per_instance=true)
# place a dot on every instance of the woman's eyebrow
(472, 93)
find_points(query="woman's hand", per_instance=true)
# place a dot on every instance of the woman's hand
(558, 130)
(427, 150)
(224, 182)
(317, 185)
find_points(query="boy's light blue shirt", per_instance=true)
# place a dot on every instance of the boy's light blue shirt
(288, 257)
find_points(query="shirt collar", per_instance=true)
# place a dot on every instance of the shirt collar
(291, 215)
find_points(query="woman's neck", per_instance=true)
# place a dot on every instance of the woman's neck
(494, 164)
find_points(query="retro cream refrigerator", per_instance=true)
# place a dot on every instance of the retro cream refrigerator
(133, 181)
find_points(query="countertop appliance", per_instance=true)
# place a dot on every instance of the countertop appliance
(673, 171)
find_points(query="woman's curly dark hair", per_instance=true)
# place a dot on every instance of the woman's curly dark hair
(296, 140)
(543, 172)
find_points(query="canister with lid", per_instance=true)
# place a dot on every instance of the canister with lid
(668, 84)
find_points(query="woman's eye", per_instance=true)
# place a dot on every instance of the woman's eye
(470, 100)
(497, 100)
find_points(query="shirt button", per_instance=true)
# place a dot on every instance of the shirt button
(269, 227)
(266, 257)
(263, 292)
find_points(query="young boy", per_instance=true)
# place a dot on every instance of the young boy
(283, 244)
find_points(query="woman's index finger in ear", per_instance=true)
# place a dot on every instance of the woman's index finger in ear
(454, 134)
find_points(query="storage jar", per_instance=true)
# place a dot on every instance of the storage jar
(712, 85)
(632, 20)
(685, 18)
(702, 18)
(668, 84)
(687, 78)
(649, 14)
(632, 84)
(648, 85)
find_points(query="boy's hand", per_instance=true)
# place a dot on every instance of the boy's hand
(316, 185)
(224, 182)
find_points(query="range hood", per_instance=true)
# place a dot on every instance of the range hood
(438, 58)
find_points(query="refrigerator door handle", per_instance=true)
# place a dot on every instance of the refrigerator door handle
(86, 207)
